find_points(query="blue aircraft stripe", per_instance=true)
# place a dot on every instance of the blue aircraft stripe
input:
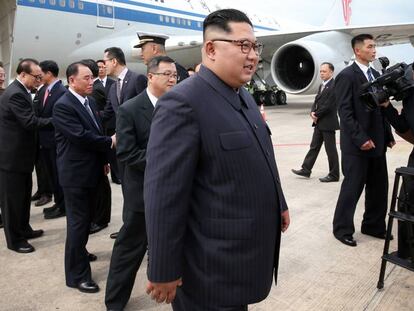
(123, 13)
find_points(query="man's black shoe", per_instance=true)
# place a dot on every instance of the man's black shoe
(377, 235)
(347, 240)
(36, 196)
(34, 234)
(50, 209)
(24, 248)
(88, 287)
(328, 178)
(56, 213)
(92, 257)
(301, 172)
(1, 222)
(96, 228)
(114, 235)
(43, 200)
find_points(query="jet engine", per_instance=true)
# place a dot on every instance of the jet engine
(295, 65)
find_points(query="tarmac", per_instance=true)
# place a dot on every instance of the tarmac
(316, 272)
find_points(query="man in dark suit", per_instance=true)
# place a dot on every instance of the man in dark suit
(128, 84)
(44, 102)
(132, 132)
(325, 123)
(214, 206)
(152, 45)
(2, 79)
(81, 159)
(102, 76)
(18, 125)
(365, 135)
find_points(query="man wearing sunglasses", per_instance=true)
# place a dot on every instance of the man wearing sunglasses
(214, 206)
(18, 125)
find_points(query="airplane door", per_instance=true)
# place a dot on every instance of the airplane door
(105, 14)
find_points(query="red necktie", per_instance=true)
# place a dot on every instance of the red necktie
(46, 95)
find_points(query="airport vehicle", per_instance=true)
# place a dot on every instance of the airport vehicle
(69, 30)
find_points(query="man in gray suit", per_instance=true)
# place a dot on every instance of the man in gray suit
(214, 206)
(132, 132)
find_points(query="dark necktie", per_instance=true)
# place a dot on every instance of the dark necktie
(102, 81)
(369, 74)
(88, 108)
(118, 90)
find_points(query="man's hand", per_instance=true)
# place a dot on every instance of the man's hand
(285, 220)
(368, 145)
(314, 117)
(161, 292)
(106, 169)
(385, 104)
(113, 138)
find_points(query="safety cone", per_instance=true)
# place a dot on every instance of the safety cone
(262, 112)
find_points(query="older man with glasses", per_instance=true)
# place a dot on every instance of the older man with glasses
(17, 155)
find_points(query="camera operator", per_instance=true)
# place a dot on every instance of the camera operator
(404, 123)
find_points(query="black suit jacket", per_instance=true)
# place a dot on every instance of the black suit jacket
(47, 135)
(325, 108)
(81, 145)
(133, 124)
(212, 193)
(109, 82)
(18, 125)
(357, 123)
(181, 72)
(133, 84)
(99, 95)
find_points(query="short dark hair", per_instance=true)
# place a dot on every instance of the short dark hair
(100, 61)
(92, 65)
(117, 53)
(73, 69)
(331, 67)
(25, 65)
(155, 62)
(51, 66)
(360, 39)
(220, 19)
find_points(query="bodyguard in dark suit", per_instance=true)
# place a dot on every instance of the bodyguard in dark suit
(152, 45)
(365, 136)
(102, 76)
(18, 125)
(46, 98)
(132, 132)
(325, 123)
(214, 205)
(81, 158)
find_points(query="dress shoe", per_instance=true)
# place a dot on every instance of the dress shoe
(36, 196)
(116, 181)
(43, 200)
(114, 235)
(55, 214)
(34, 234)
(377, 235)
(328, 178)
(301, 172)
(50, 209)
(96, 228)
(347, 240)
(88, 287)
(92, 257)
(1, 222)
(24, 248)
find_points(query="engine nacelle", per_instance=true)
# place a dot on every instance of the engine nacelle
(295, 65)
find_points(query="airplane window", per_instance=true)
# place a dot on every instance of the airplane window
(32, 1)
(80, 5)
(167, 19)
(42, 1)
(52, 2)
(198, 24)
(109, 10)
(62, 3)
(188, 22)
(173, 20)
(178, 21)
(161, 18)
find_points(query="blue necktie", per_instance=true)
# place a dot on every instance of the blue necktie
(369, 74)
(88, 108)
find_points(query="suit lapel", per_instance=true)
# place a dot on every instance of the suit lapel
(79, 107)
(147, 107)
(125, 85)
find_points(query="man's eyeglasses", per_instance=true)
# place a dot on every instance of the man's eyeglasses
(245, 45)
(107, 60)
(37, 77)
(167, 74)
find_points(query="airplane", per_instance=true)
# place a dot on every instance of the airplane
(70, 30)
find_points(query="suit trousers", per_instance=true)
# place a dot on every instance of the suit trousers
(79, 208)
(49, 159)
(113, 162)
(15, 193)
(360, 171)
(129, 250)
(44, 183)
(328, 139)
(184, 302)
(102, 202)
